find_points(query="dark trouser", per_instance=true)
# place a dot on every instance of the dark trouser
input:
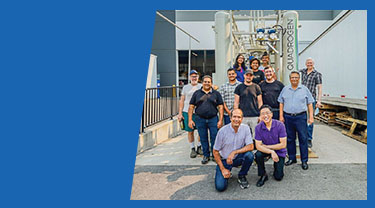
(276, 114)
(310, 127)
(278, 167)
(293, 125)
(203, 125)
(245, 159)
(226, 119)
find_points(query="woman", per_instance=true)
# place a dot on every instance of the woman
(240, 67)
(258, 74)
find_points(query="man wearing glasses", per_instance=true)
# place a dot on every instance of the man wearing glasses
(270, 140)
(294, 101)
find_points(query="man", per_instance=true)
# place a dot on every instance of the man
(271, 90)
(258, 75)
(248, 98)
(294, 101)
(186, 94)
(233, 148)
(227, 93)
(265, 62)
(312, 79)
(270, 140)
(207, 102)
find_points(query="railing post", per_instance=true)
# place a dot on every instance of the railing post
(171, 102)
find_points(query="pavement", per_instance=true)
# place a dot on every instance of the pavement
(166, 172)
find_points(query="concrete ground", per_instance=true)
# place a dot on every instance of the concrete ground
(340, 172)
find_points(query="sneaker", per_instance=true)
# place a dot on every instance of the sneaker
(199, 150)
(205, 160)
(243, 182)
(193, 153)
(309, 143)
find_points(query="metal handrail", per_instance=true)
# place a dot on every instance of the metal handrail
(160, 104)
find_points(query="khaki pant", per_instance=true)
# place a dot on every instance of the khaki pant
(251, 122)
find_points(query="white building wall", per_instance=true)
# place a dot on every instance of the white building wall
(341, 56)
(200, 30)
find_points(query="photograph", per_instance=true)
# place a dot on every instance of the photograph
(254, 105)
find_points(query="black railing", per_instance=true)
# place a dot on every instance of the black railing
(159, 104)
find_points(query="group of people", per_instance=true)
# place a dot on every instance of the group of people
(252, 111)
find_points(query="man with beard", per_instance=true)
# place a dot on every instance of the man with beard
(207, 102)
(227, 92)
(187, 92)
(271, 90)
(312, 79)
(248, 98)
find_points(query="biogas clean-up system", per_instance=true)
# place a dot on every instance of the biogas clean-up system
(276, 34)
(339, 52)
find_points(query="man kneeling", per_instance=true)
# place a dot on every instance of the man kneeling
(270, 140)
(233, 146)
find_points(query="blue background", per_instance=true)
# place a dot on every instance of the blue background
(72, 79)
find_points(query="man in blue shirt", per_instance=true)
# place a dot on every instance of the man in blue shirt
(294, 101)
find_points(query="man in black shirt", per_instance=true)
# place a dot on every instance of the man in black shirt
(207, 102)
(271, 89)
(258, 75)
(248, 98)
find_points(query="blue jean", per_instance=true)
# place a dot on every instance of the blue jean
(293, 125)
(310, 127)
(226, 119)
(244, 159)
(203, 125)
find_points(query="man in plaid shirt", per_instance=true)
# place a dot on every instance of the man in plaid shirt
(227, 92)
(312, 79)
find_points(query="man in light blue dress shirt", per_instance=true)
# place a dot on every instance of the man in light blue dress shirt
(294, 101)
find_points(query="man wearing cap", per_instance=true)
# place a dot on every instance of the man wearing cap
(207, 102)
(227, 92)
(186, 94)
(248, 98)
(312, 79)
(294, 101)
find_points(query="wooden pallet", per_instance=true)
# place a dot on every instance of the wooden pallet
(363, 137)
(326, 117)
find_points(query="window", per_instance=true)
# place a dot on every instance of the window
(202, 61)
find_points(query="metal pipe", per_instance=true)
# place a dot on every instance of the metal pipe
(189, 64)
(269, 45)
(168, 20)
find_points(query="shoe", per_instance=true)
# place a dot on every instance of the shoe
(309, 143)
(243, 182)
(193, 153)
(305, 166)
(262, 180)
(289, 162)
(205, 160)
(199, 150)
(212, 158)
